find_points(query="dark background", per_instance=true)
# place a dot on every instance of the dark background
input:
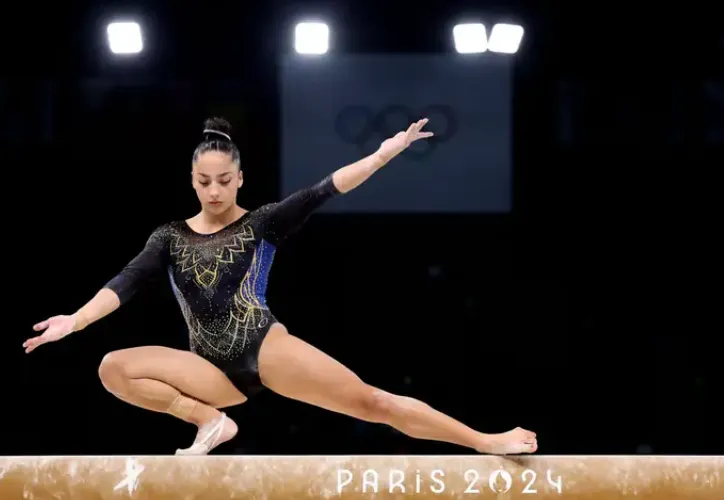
(583, 315)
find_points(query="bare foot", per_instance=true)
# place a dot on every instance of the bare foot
(509, 443)
(210, 435)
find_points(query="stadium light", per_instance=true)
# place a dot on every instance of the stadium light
(311, 38)
(505, 38)
(124, 38)
(470, 38)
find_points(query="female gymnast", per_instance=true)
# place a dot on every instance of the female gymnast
(218, 262)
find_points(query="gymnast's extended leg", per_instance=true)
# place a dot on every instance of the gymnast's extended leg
(291, 367)
(179, 383)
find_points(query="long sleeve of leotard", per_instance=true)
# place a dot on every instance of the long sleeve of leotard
(283, 218)
(146, 266)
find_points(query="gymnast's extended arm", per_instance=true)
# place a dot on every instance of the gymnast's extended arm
(101, 305)
(146, 266)
(120, 289)
(349, 177)
(283, 218)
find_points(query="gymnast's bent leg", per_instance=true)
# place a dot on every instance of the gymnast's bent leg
(179, 383)
(294, 369)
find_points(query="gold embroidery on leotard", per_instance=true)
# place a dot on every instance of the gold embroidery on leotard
(227, 338)
(204, 260)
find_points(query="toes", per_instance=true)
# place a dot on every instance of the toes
(530, 447)
(526, 433)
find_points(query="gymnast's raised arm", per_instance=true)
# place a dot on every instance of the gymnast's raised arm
(145, 266)
(351, 176)
(286, 216)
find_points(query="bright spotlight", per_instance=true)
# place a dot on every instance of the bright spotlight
(505, 38)
(470, 38)
(311, 38)
(124, 38)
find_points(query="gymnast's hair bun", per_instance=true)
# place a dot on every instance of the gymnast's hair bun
(217, 128)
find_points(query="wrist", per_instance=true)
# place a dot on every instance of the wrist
(381, 159)
(79, 321)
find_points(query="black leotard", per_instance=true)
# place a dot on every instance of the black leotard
(220, 279)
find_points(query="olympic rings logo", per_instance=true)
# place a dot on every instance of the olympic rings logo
(358, 125)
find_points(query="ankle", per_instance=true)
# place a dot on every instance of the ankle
(484, 443)
(203, 414)
(192, 411)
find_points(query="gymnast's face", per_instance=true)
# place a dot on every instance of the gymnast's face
(216, 180)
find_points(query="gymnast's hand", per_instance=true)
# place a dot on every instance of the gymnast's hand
(55, 328)
(397, 144)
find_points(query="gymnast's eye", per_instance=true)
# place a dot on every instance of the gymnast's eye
(204, 183)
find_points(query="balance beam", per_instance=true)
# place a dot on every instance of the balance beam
(362, 477)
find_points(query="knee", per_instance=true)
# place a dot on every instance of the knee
(379, 406)
(113, 371)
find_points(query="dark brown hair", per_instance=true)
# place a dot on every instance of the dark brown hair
(217, 137)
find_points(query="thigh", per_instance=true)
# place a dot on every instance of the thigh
(189, 373)
(293, 368)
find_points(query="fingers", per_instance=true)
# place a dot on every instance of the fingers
(413, 131)
(416, 126)
(31, 344)
(41, 326)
